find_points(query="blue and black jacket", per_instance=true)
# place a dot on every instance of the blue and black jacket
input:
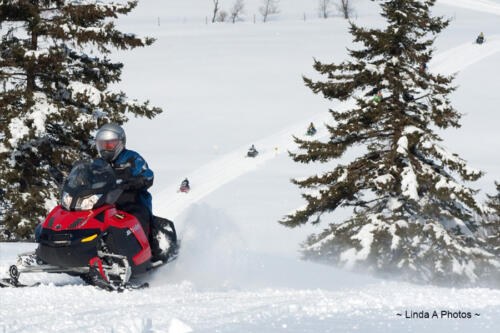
(134, 172)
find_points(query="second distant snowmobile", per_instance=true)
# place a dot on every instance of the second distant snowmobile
(252, 152)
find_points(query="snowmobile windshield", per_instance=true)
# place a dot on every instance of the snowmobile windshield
(91, 175)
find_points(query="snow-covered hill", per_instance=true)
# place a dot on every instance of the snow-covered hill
(224, 87)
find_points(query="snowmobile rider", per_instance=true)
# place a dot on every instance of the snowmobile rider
(132, 173)
(185, 183)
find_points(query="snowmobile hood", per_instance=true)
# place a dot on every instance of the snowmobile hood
(61, 219)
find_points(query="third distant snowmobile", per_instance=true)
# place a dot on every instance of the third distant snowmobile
(311, 130)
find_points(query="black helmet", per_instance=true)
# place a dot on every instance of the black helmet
(110, 141)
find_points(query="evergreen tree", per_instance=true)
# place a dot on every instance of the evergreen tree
(492, 222)
(411, 216)
(55, 72)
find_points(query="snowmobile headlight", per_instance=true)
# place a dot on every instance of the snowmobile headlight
(87, 203)
(66, 200)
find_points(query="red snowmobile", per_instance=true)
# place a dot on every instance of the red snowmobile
(87, 236)
(185, 188)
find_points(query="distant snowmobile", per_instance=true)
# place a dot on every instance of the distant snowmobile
(87, 236)
(311, 130)
(185, 188)
(252, 152)
(480, 39)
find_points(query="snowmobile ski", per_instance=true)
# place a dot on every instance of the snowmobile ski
(10, 283)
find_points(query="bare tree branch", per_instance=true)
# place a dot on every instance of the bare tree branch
(345, 8)
(324, 7)
(237, 10)
(222, 16)
(268, 7)
(216, 10)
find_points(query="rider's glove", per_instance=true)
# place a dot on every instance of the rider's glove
(134, 183)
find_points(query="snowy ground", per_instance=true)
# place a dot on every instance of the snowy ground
(224, 87)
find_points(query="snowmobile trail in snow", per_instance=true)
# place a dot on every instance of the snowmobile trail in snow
(465, 55)
(477, 5)
(221, 171)
(215, 174)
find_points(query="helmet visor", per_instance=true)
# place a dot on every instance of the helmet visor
(107, 144)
